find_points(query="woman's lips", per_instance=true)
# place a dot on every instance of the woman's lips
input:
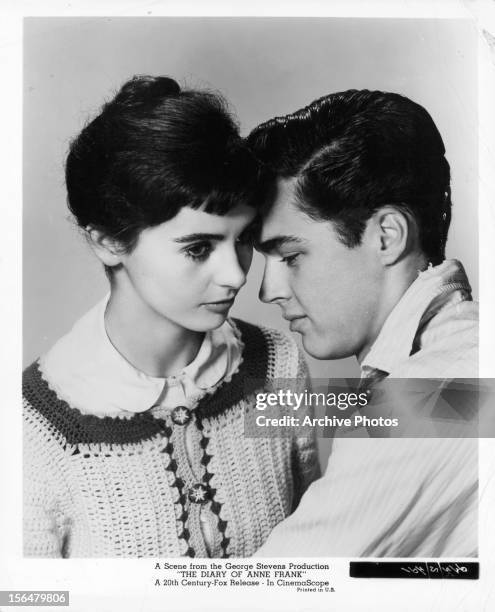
(220, 306)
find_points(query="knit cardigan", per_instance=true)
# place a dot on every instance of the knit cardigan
(124, 487)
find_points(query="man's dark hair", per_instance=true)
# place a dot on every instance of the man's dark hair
(152, 150)
(356, 151)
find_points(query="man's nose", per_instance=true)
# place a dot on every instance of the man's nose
(274, 287)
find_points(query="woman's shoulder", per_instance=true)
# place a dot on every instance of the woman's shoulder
(41, 418)
(42, 407)
(80, 345)
(79, 367)
(47, 416)
(283, 356)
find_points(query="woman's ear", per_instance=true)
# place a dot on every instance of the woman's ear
(397, 231)
(106, 249)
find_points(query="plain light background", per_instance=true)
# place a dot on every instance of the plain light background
(265, 67)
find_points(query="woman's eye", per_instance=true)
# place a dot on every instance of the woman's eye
(199, 252)
(290, 260)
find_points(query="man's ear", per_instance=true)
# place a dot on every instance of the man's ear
(108, 250)
(396, 232)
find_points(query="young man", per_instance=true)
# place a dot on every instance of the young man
(354, 237)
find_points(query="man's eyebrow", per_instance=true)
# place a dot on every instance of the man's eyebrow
(197, 237)
(272, 244)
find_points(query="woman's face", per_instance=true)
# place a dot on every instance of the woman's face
(188, 270)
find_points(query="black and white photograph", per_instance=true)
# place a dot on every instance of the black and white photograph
(221, 214)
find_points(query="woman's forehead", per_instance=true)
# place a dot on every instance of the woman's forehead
(190, 221)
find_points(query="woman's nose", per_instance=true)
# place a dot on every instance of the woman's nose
(233, 268)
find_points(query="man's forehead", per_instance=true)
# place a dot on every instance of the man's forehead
(284, 216)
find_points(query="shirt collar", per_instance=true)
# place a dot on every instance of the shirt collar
(87, 371)
(425, 296)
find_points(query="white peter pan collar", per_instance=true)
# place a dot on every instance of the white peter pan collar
(86, 370)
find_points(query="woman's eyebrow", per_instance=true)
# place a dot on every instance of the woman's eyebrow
(197, 237)
(272, 244)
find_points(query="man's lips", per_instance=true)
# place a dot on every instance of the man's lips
(296, 321)
(292, 317)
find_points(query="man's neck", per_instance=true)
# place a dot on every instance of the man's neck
(396, 281)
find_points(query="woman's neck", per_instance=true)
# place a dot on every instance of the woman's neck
(148, 341)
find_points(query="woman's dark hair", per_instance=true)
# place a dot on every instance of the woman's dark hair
(356, 151)
(152, 150)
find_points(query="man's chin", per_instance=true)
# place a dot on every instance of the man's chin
(315, 346)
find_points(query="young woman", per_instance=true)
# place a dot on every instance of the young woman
(134, 421)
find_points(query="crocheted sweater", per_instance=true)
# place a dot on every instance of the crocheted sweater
(124, 487)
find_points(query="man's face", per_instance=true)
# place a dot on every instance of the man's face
(330, 293)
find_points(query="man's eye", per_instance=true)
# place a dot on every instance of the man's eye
(290, 260)
(199, 252)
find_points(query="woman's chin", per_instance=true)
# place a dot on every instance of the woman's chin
(210, 322)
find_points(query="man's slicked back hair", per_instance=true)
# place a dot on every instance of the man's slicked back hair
(355, 151)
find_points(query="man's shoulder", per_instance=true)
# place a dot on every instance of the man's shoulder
(448, 345)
